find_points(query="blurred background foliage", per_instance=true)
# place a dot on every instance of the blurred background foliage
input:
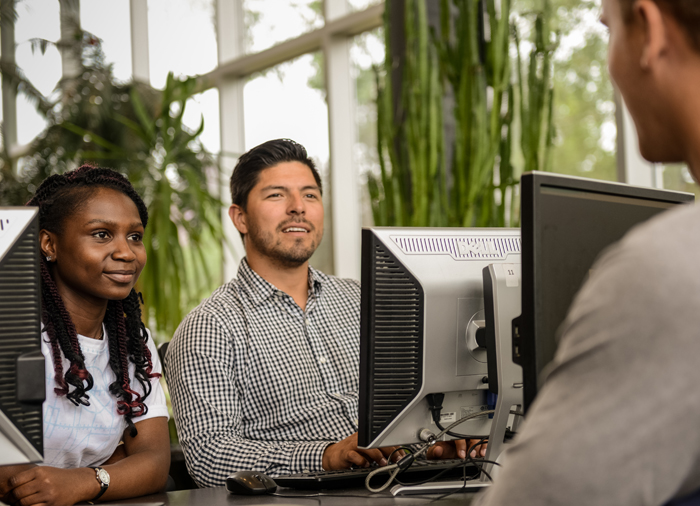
(464, 68)
(138, 131)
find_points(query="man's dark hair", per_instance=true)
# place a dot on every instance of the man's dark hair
(58, 198)
(685, 12)
(268, 154)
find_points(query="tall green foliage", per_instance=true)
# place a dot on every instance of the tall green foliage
(411, 188)
(415, 186)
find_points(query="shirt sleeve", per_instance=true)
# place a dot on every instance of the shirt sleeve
(155, 402)
(616, 422)
(203, 378)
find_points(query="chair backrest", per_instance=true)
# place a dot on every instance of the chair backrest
(162, 350)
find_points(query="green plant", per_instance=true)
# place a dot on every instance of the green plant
(411, 189)
(415, 186)
(536, 93)
(138, 131)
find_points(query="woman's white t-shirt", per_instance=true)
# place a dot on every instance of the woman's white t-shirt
(83, 436)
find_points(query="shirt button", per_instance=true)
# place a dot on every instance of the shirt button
(323, 360)
(306, 322)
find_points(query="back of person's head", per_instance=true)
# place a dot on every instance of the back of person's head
(59, 197)
(685, 12)
(250, 164)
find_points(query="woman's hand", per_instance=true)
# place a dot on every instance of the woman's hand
(52, 486)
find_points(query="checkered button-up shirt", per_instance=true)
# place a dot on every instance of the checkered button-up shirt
(257, 383)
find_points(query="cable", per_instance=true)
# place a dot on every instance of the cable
(406, 461)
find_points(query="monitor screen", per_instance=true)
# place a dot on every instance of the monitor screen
(422, 303)
(566, 223)
(22, 386)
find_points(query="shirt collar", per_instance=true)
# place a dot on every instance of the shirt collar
(259, 290)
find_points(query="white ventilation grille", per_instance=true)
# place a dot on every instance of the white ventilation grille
(460, 248)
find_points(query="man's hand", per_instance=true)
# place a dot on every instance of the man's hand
(456, 449)
(52, 486)
(345, 453)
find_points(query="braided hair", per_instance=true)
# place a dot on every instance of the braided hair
(58, 197)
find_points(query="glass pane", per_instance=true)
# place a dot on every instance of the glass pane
(677, 177)
(36, 19)
(110, 22)
(205, 107)
(366, 51)
(288, 101)
(268, 23)
(182, 38)
(584, 114)
(358, 5)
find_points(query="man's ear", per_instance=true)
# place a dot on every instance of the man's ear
(239, 218)
(652, 21)
(47, 243)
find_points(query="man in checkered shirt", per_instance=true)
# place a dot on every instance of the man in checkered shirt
(263, 375)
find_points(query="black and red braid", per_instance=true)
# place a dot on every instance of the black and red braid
(58, 197)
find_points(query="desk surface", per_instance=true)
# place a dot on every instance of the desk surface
(348, 497)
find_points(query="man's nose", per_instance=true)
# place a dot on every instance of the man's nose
(296, 205)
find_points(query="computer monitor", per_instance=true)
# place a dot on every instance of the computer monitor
(566, 222)
(22, 375)
(422, 304)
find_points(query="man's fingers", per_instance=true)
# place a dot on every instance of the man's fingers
(477, 450)
(356, 459)
(374, 455)
(436, 451)
(461, 448)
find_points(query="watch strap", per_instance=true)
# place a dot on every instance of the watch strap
(103, 486)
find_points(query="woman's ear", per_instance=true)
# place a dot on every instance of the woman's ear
(47, 243)
(238, 217)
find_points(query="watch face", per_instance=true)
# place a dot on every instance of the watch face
(103, 476)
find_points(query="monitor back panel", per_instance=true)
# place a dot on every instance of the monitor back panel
(421, 290)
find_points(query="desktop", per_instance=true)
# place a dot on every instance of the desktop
(421, 330)
(566, 223)
(22, 385)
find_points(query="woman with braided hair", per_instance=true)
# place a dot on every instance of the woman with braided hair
(102, 368)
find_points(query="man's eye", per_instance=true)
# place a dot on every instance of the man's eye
(101, 234)
(136, 237)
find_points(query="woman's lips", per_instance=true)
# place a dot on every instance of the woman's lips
(120, 276)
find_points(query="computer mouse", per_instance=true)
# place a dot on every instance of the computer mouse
(250, 483)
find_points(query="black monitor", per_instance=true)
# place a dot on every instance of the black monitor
(566, 222)
(22, 374)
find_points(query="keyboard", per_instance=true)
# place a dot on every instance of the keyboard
(349, 478)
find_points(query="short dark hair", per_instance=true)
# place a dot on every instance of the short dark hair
(685, 12)
(268, 154)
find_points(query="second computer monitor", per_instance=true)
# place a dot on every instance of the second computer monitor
(566, 223)
(422, 303)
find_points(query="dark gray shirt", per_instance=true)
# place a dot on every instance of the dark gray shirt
(618, 419)
(258, 384)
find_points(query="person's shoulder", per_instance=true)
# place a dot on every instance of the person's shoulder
(650, 273)
(221, 309)
(663, 244)
(335, 283)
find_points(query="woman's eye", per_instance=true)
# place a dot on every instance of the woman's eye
(136, 237)
(101, 234)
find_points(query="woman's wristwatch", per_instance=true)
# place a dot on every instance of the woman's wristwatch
(102, 477)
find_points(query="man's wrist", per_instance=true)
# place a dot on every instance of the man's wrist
(308, 457)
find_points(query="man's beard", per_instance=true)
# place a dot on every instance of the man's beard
(291, 256)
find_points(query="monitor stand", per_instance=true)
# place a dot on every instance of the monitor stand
(504, 281)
